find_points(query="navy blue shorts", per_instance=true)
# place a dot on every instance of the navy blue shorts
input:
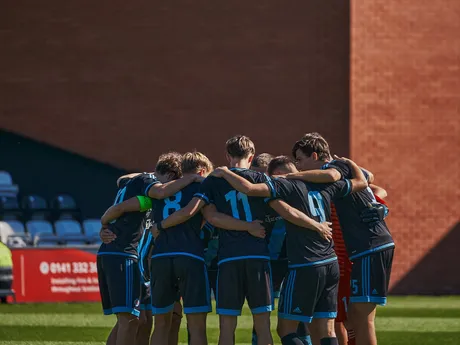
(119, 284)
(183, 276)
(242, 279)
(309, 291)
(370, 277)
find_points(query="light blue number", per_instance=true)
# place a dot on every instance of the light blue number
(354, 286)
(319, 209)
(233, 197)
(120, 196)
(172, 204)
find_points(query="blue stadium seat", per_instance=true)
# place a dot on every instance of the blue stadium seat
(35, 227)
(35, 207)
(65, 207)
(91, 228)
(70, 232)
(16, 226)
(9, 208)
(13, 235)
(7, 188)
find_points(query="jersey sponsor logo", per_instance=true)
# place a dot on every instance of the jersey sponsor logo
(297, 310)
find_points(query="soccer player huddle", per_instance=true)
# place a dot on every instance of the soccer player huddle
(255, 230)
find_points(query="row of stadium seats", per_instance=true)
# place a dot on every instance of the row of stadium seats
(35, 207)
(33, 221)
(41, 232)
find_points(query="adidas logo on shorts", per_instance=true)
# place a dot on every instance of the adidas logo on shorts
(374, 292)
(297, 310)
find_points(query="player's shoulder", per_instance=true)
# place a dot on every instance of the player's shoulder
(251, 175)
(340, 166)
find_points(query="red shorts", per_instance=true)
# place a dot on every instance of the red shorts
(343, 295)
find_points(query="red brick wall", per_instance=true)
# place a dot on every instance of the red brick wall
(405, 124)
(123, 81)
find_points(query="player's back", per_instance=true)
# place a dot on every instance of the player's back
(304, 246)
(182, 239)
(129, 227)
(359, 237)
(239, 244)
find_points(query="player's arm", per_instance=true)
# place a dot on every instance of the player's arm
(225, 222)
(128, 176)
(241, 184)
(159, 190)
(316, 176)
(299, 218)
(138, 203)
(184, 214)
(379, 191)
(370, 176)
(358, 181)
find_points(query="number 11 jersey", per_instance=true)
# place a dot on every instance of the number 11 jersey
(236, 245)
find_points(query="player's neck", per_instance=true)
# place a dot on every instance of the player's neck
(242, 164)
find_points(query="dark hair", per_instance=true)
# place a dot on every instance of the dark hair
(277, 162)
(240, 146)
(262, 160)
(170, 163)
(312, 142)
(194, 161)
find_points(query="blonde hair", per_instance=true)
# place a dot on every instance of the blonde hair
(192, 162)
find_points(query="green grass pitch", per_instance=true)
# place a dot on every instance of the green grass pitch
(404, 321)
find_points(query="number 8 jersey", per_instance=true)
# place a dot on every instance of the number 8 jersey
(182, 239)
(235, 245)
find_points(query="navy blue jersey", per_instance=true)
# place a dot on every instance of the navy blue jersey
(277, 236)
(306, 247)
(210, 238)
(182, 239)
(129, 227)
(235, 245)
(146, 246)
(360, 238)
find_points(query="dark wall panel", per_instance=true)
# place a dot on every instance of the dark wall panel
(44, 170)
(122, 81)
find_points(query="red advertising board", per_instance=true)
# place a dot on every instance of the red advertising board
(55, 275)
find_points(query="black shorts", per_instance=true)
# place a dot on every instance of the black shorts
(119, 284)
(180, 276)
(310, 291)
(242, 279)
(279, 271)
(370, 277)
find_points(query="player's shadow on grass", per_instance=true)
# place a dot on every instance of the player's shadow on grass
(437, 272)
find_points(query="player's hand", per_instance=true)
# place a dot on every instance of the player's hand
(325, 230)
(256, 229)
(106, 235)
(343, 159)
(155, 232)
(374, 213)
(219, 172)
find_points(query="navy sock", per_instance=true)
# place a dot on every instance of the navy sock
(254, 336)
(301, 330)
(329, 341)
(289, 339)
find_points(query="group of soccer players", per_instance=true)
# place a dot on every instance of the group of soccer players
(255, 224)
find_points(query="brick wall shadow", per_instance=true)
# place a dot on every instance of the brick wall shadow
(437, 272)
